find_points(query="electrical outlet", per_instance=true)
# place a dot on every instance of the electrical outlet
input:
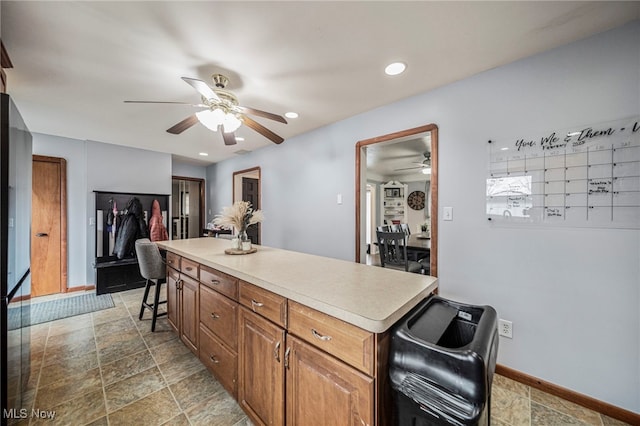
(505, 328)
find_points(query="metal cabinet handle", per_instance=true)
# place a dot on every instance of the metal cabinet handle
(320, 336)
(42, 234)
(276, 351)
(286, 357)
(189, 268)
(213, 359)
(255, 305)
(215, 282)
(214, 315)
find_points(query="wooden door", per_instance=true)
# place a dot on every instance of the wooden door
(324, 391)
(261, 369)
(189, 312)
(48, 226)
(251, 193)
(173, 277)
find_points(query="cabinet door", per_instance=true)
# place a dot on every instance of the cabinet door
(173, 277)
(261, 369)
(324, 391)
(189, 312)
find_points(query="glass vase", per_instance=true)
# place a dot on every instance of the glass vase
(245, 242)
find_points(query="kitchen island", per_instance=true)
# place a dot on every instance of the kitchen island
(295, 338)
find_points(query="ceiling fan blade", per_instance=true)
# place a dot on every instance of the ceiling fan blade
(202, 88)
(408, 168)
(183, 125)
(170, 103)
(229, 138)
(156, 102)
(260, 113)
(262, 130)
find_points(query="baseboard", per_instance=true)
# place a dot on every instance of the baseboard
(569, 395)
(81, 288)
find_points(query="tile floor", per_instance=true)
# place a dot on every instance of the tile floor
(107, 368)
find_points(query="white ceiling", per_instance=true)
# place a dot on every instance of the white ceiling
(76, 62)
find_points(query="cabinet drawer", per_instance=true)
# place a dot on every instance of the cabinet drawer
(346, 342)
(219, 281)
(173, 260)
(189, 267)
(265, 303)
(219, 315)
(220, 360)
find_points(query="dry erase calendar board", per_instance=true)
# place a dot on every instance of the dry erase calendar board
(587, 176)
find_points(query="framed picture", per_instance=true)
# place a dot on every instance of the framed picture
(396, 192)
(388, 192)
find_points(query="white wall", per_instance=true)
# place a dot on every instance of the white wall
(573, 293)
(188, 170)
(94, 166)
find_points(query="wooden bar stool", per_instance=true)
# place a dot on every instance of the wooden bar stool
(153, 269)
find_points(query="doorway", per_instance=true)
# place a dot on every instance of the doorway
(246, 187)
(187, 207)
(48, 226)
(404, 178)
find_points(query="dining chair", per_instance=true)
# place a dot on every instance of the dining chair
(153, 269)
(404, 227)
(393, 252)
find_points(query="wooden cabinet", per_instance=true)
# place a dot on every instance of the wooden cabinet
(268, 304)
(189, 290)
(346, 342)
(183, 302)
(324, 391)
(173, 278)
(219, 359)
(261, 369)
(219, 327)
(284, 362)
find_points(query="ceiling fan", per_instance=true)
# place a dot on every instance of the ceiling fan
(425, 165)
(221, 111)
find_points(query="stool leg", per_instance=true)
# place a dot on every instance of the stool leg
(156, 299)
(144, 299)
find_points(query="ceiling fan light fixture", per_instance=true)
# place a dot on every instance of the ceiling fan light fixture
(291, 114)
(211, 119)
(230, 123)
(395, 68)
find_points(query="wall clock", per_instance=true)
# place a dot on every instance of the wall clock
(416, 200)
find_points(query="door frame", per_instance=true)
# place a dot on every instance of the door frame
(64, 285)
(251, 170)
(202, 206)
(362, 163)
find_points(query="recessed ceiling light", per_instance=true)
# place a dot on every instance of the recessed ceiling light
(291, 115)
(239, 138)
(395, 68)
(204, 154)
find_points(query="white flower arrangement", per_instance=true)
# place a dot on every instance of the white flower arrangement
(240, 216)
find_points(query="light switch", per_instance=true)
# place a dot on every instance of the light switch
(447, 213)
(92, 221)
(339, 198)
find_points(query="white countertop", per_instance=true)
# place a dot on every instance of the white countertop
(370, 297)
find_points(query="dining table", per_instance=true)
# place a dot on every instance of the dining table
(419, 241)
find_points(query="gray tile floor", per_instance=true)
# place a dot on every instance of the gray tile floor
(107, 368)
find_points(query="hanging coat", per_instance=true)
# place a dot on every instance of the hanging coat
(131, 229)
(157, 230)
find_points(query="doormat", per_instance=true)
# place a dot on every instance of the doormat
(37, 313)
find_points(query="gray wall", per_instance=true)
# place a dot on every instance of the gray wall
(94, 166)
(572, 293)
